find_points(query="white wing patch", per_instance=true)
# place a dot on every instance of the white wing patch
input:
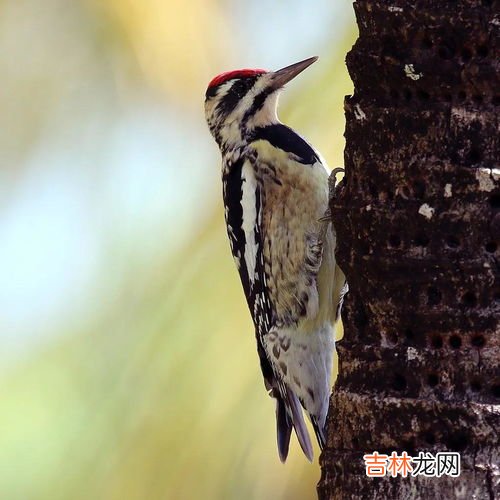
(248, 202)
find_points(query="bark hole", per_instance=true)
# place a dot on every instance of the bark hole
(394, 240)
(469, 299)
(457, 441)
(430, 438)
(495, 390)
(437, 342)
(433, 296)
(432, 379)
(399, 382)
(409, 334)
(491, 247)
(421, 240)
(466, 54)
(474, 156)
(475, 385)
(478, 341)
(495, 201)
(482, 51)
(452, 241)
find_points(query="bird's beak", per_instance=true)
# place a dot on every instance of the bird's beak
(283, 76)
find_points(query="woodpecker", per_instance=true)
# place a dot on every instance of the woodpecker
(275, 193)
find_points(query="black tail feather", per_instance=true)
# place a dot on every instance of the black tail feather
(289, 415)
(283, 429)
(299, 424)
(319, 431)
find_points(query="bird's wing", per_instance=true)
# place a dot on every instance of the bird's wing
(243, 212)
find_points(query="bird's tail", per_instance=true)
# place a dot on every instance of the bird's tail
(319, 430)
(289, 414)
(283, 429)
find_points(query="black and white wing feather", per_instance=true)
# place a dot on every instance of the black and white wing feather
(243, 206)
(243, 212)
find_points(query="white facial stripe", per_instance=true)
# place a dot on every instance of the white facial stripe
(224, 89)
(248, 202)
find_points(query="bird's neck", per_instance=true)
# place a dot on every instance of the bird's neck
(235, 134)
(267, 115)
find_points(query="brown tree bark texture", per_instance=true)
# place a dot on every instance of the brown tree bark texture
(418, 225)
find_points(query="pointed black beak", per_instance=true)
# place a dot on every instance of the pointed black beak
(283, 76)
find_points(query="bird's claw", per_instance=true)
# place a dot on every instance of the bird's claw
(326, 217)
(332, 184)
(332, 180)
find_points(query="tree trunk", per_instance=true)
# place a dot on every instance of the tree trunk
(418, 225)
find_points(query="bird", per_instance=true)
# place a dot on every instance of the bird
(275, 188)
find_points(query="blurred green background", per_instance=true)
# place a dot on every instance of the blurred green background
(128, 367)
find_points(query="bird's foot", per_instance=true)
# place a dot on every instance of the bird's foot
(332, 185)
(332, 180)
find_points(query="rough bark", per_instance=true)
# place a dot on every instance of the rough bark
(418, 224)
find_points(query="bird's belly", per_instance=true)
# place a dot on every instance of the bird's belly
(292, 208)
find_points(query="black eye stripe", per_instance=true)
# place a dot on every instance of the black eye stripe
(234, 95)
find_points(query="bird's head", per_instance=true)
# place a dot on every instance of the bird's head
(236, 102)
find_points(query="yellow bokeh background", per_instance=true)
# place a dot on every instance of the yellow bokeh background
(128, 367)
